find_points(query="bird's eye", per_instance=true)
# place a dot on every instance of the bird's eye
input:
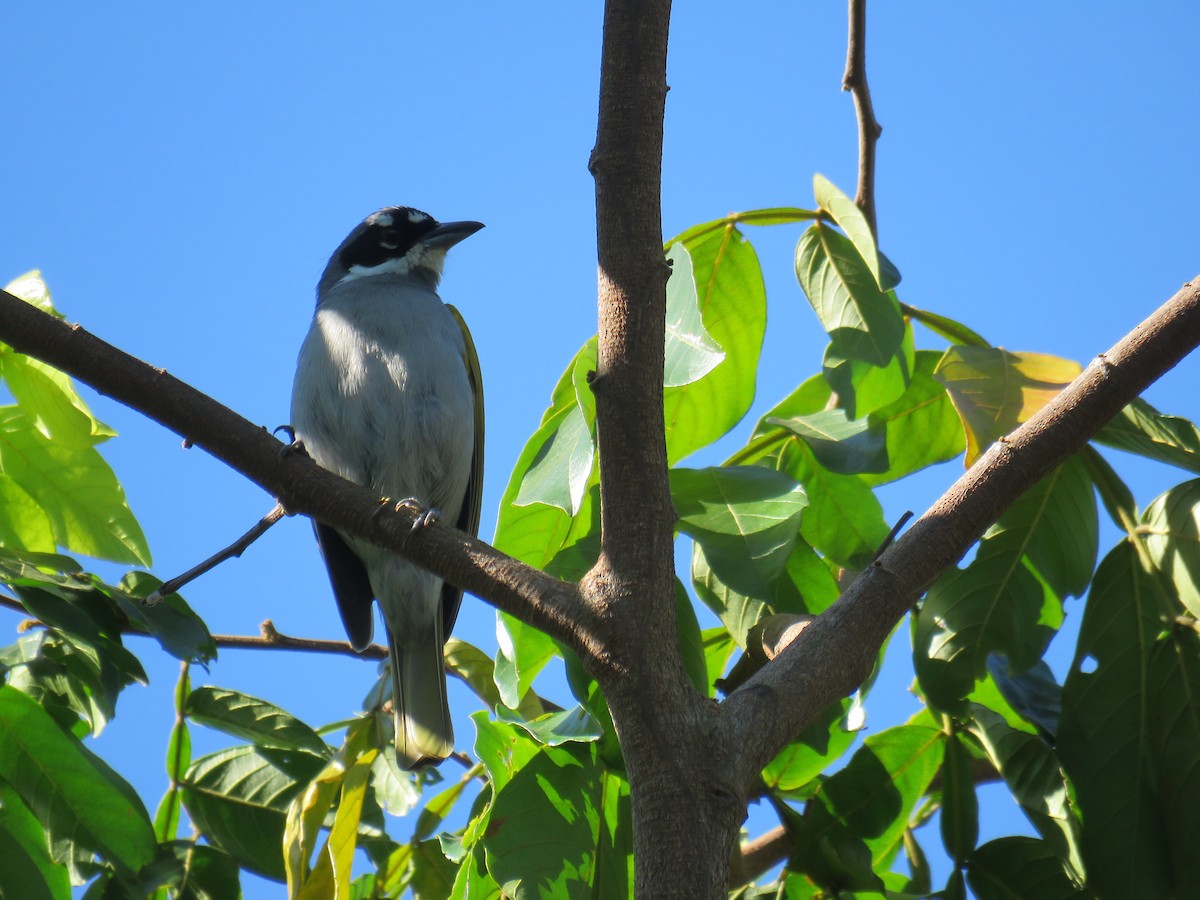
(389, 239)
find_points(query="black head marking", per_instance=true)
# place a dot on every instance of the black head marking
(387, 234)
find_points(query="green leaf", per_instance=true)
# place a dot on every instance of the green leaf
(28, 870)
(820, 745)
(523, 653)
(993, 605)
(943, 326)
(1171, 534)
(1034, 693)
(253, 720)
(194, 872)
(1133, 682)
(733, 304)
(805, 586)
(331, 876)
(559, 473)
(840, 444)
(24, 525)
(863, 322)
(1054, 525)
(553, 729)
(170, 621)
(1142, 429)
(960, 806)
(747, 519)
(863, 387)
(844, 520)
(691, 352)
(238, 799)
(851, 220)
(873, 797)
(75, 487)
(503, 748)
(1037, 782)
(1114, 493)
(47, 396)
(922, 426)
(559, 828)
(996, 390)
(1020, 867)
(31, 288)
(80, 802)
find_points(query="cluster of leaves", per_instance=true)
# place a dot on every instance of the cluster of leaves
(1103, 765)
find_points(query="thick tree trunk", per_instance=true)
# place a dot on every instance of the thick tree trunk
(684, 821)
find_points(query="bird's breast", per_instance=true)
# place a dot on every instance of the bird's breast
(382, 394)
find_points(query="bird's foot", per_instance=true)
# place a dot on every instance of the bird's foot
(425, 515)
(294, 445)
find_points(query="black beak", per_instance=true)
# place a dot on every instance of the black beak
(447, 234)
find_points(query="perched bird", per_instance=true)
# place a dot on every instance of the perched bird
(388, 394)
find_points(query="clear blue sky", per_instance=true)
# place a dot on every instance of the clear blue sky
(181, 175)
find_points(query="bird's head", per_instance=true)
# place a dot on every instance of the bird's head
(396, 240)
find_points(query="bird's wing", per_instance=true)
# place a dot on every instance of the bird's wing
(351, 586)
(468, 518)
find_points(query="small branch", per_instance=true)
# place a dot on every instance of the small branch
(755, 858)
(854, 80)
(234, 550)
(270, 639)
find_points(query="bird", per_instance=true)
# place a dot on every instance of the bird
(388, 394)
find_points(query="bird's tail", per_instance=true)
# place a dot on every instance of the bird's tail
(421, 712)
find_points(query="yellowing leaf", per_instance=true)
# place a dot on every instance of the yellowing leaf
(996, 390)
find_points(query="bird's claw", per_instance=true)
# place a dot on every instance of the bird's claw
(425, 515)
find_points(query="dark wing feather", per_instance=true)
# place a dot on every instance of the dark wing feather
(468, 518)
(351, 586)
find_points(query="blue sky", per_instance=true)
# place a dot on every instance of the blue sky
(181, 175)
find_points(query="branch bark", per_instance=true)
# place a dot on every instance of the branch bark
(832, 656)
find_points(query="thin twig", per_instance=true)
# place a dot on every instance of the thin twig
(855, 81)
(234, 550)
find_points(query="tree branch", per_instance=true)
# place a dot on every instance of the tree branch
(854, 80)
(296, 481)
(832, 656)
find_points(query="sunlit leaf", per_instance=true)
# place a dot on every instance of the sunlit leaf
(1142, 429)
(28, 870)
(840, 444)
(922, 426)
(862, 321)
(238, 798)
(253, 720)
(733, 305)
(746, 517)
(851, 220)
(872, 798)
(1171, 533)
(79, 801)
(76, 488)
(864, 387)
(561, 813)
(996, 390)
(691, 352)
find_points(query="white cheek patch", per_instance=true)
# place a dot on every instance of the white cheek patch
(431, 258)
